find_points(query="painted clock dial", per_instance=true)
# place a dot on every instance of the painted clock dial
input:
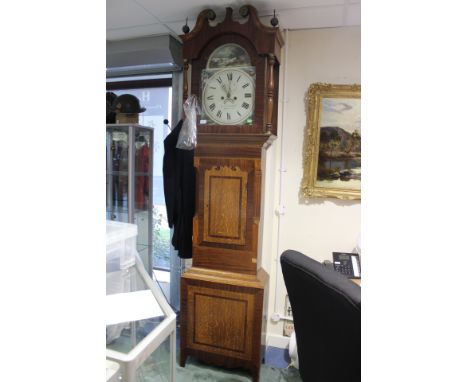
(228, 96)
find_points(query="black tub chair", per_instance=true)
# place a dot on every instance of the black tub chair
(326, 308)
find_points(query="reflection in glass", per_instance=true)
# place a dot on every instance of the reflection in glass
(142, 169)
(117, 175)
(157, 367)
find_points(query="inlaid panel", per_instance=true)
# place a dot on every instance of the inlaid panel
(230, 314)
(225, 209)
(213, 313)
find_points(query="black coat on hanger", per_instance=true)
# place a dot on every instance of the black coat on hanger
(179, 192)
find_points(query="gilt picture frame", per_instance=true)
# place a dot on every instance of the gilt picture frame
(332, 147)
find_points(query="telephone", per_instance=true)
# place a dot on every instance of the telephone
(347, 264)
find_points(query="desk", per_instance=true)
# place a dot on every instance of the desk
(356, 281)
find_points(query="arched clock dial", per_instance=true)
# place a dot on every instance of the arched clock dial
(228, 96)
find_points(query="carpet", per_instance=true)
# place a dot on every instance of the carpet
(156, 368)
(197, 371)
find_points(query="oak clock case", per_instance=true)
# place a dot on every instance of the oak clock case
(234, 72)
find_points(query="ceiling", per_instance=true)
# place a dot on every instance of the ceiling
(137, 18)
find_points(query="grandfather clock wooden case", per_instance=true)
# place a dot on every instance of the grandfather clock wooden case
(234, 74)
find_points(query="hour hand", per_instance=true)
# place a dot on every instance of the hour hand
(223, 86)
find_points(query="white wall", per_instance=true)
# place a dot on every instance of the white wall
(324, 225)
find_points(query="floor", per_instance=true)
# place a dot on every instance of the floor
(277, 357)
(156, 367)
(195, 371)
(275, 369)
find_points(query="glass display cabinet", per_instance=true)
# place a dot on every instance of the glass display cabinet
(140, 324)
(112, 371)
(129, 182)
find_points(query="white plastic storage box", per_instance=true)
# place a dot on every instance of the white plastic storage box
(121, 245)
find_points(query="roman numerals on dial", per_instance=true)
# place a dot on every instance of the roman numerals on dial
(228, 96)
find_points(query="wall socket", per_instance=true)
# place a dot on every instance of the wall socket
(288, 328)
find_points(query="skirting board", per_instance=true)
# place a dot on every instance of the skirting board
(277, 341)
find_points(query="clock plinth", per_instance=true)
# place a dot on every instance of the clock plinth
(222, 320)
(234, 74)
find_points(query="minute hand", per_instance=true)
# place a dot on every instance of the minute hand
(229, 91)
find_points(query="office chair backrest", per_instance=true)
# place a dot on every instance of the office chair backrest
(326, 308)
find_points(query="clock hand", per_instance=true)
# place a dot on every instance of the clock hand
(228, 99)
(229, 91)
(223, 86)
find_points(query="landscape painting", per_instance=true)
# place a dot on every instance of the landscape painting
(333, 152)
(339, 160)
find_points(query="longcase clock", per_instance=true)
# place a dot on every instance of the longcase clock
(234, 72)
